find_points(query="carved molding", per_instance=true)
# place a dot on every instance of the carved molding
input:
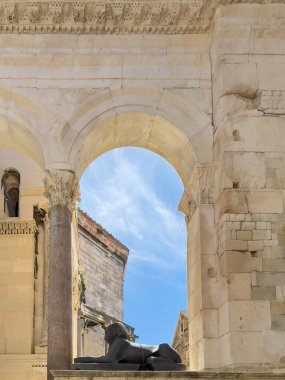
(187, 206)
(110, 17)
(62, 188)
(17, 227)
(201, 184)
(200, 190)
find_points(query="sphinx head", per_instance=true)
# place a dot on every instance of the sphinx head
(115, 330)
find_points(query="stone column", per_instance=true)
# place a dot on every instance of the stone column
(197, 204)
(61, 188)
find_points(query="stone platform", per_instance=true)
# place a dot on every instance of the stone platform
(132, 375)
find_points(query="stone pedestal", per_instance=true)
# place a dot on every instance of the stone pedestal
(129, 375)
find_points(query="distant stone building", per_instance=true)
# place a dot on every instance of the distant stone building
(181, 337)
(102, 263)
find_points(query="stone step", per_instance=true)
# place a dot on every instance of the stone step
(134, 375)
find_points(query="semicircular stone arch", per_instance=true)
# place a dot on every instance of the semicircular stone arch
(24, 125)
(17, 137)
(148, 118)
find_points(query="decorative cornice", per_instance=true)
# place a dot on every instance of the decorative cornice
(62, 188)
(110, 17)
(17, 227)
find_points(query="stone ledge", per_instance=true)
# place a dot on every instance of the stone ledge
(90, 375)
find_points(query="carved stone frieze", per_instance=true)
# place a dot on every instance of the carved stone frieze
(110, 17)
(17, 227)
(200, 190)
(62, 188)
(201, 185)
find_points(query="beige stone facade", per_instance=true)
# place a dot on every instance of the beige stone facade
(202, 84)
(24, 245)
(102, 264)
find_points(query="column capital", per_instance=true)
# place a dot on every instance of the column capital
(62, 188)
(198, 191)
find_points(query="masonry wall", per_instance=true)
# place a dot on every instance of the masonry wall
(103, 274)
(248, 64)
(17, 293)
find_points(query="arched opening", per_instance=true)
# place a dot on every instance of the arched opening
(148, 119)
(10, 185)
(133, 194)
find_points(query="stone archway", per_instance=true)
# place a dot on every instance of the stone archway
(159, 122)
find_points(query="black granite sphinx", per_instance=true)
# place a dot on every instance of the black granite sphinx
(124, 355)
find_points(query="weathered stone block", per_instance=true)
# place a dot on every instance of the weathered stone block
(235, 245)
(265, 201)
(246, 347)
(248, 176)
(232, 225)
(236, 78)
(273, 265)
(270, 278)
(239, 286)
(244, 235)
(243, 315)
(270, 243)
(211, 352)
(278, 322)
(240, 262)
(274, 347)
(268, 76)
(225, 350)
(248, 226)
(277, 307)
(255, 245)
(274, 163)
(237, 217)
(261, 235)
(231, 201)
(263, 292)
(196, 333)
(280, 292)
(210, 323)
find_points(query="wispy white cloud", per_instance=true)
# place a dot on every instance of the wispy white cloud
(117, 193)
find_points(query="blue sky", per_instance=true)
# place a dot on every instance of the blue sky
(134, 195)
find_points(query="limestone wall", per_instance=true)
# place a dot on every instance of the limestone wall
(247, 54)
(23, 367)
(17, 293)
(103, 271)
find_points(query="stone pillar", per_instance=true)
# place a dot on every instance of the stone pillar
(249, 151)
(197, 204)
(61, 188)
